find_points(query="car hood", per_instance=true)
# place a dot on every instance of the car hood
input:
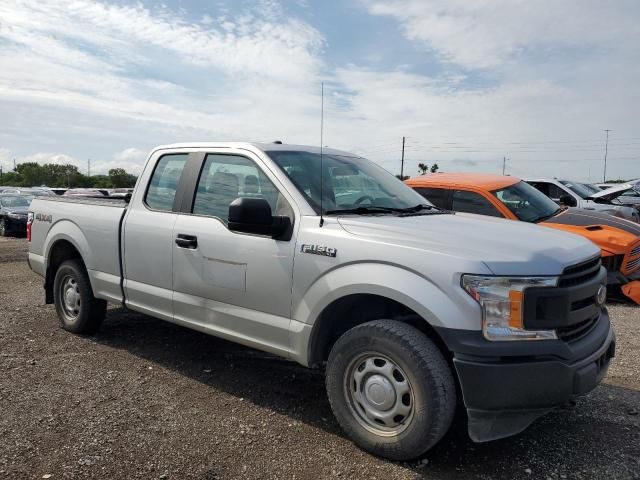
(506, 247)
(615, 191)
(589, 218)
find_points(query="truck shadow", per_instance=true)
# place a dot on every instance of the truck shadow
(600, 431)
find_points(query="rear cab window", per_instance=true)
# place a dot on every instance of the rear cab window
(163, 185)
(471, 202)
(440, 197)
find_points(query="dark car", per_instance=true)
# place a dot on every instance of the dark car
(14, 210)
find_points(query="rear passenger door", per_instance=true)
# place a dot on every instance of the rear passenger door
(148, 238)
(232, 284)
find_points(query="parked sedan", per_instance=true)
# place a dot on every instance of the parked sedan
(13, 213)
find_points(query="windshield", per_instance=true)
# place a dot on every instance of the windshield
(526, 202)
(581, 189)
(348, 182)
(15, 201)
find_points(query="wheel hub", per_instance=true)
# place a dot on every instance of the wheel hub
(379, 392)
(70, 295)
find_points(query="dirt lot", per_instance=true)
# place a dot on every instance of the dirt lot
(147, 399)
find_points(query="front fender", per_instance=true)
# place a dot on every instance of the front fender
(446, 306)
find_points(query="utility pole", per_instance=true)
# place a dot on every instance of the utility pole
(402, 162)
(14, 164)
(88, 167)
(504, 164)
(606, 148)
(0, 174)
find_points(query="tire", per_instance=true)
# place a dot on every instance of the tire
(78, 310)
(398, 367)
(3, 227)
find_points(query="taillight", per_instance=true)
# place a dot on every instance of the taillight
(29, 222)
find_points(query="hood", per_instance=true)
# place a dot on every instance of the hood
(506, 247)
(615, 191)
(589, 218)
(610, 233)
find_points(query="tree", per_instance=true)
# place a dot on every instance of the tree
(121, 179)
(434, 168)
(422, 168)
(402, 177)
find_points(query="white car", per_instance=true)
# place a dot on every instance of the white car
(582, 195)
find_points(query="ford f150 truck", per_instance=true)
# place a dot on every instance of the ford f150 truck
(327, 259)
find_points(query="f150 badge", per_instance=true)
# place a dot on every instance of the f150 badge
(319, 250)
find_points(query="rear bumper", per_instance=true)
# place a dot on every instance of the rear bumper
(506, 387)
(16, 225)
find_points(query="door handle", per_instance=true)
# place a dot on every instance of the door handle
(187, 241)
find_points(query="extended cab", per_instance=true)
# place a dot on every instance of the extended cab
(325, 258)
(509, 197)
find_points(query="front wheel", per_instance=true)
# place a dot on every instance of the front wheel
(390, 389)
(78, 310)
(3, 227)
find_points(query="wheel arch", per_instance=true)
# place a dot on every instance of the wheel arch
(355, 309)
(60, 250)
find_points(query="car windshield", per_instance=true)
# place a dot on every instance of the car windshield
(11, 201)
(581, 189)
(349, 184)
(527, 203)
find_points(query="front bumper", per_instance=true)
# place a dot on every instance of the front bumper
(508, 385)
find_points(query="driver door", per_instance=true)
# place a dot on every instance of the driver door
(232, 284)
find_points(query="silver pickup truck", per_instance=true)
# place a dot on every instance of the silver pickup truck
(328, 260)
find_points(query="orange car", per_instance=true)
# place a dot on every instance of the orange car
(509, 197)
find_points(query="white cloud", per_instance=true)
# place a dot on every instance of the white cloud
(488, 33)
(91, 79)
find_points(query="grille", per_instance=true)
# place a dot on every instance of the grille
(578, 330)
(635, 251)
(633, 264)
(580, 273)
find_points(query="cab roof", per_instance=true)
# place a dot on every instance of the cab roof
(482, 180)
(265, 147)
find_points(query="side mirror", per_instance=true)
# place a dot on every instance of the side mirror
(568, 201)
(253, 215)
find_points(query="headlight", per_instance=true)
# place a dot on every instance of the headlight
(501, 300)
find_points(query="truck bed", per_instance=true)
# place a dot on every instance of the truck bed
(92, 226)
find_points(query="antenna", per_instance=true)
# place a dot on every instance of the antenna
(321, 153)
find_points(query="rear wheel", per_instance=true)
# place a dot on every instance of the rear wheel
(78, 310)
(390, 389)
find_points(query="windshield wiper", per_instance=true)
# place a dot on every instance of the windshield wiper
(379, 209)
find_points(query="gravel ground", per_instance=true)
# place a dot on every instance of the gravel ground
(148, 399)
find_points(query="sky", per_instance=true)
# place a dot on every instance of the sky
(467, 83)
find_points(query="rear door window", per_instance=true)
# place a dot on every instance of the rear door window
(164, 182)
(472, 202)
(440, 197)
